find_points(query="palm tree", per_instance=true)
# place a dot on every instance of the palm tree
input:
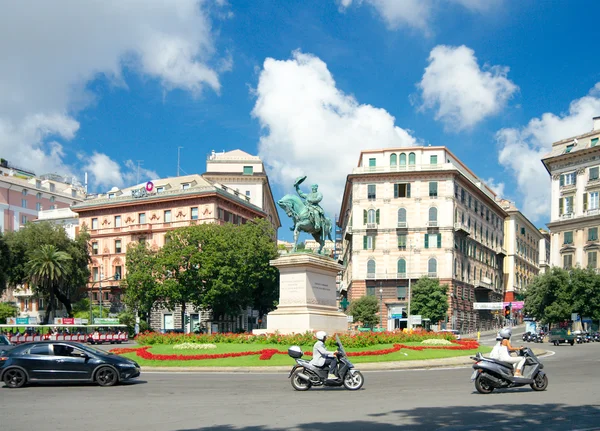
(45, 270)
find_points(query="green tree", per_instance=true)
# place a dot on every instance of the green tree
(140, 284)
(429, 299)
(24, 243)
(548, 298)
(584, 290)
(5, 263)
(46, 270)
(7, 310)
(364, 309)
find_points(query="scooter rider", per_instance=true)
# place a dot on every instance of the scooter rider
(506, 348)
(322, 357)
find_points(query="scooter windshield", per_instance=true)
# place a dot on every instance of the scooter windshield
(339, 343)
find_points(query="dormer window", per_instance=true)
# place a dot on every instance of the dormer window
(38, 184)
(569, 148)
(73, 193)
(160, 189)
(52, 187)
(185, 186)
(111, 195)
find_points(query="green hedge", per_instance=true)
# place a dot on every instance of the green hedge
(362, 339)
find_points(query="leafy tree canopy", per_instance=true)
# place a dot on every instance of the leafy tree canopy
(429, 299)
(364, 309)
(7, 310)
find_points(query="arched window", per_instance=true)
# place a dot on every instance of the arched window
(371, 216)
(402, 215)
(432, 267)
(433, 214)
(402, 159)
(371, 267)
(393, 160)
(401, 266)
(480, 274)
(468, 273)
(411, 158)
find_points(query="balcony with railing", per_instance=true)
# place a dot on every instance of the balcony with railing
(371, 225)
(399, 275)
(462, 228)
(402, 224)
(567, 216)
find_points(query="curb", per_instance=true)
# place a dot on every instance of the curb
(454, 362)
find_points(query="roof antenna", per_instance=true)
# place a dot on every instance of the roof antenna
(139, 162)
(178, 148)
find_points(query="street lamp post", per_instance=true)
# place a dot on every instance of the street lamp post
(408, 319)
(381, 306)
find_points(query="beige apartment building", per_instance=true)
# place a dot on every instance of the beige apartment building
(523, 258)
(23, 197)
(574, 165)
(413, 212)
(544, 262)
(234, 190)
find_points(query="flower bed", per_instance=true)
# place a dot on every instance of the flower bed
(362, 339)
(266, 354)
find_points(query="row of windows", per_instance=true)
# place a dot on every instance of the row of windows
(431, 240)
(591, 201)
(372, 216)
(478, 207)
(592, 260)
(401, 267)
(570, 179)
(490, 239)
(118, 248)
(117, 274)
(592, 235)
(401, 190)
(463, 269)
(472, 249)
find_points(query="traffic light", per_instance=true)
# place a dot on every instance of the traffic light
(507, 311)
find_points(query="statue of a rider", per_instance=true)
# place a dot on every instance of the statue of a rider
(312, 200)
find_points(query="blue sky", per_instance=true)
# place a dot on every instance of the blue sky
(306, 85)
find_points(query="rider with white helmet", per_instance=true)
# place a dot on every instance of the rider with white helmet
(322, 357)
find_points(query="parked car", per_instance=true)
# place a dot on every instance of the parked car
(560, 335)
(52, 361)
(455, 332)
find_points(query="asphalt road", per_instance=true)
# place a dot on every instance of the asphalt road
(410, 400)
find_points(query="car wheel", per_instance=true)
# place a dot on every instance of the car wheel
(14, 378)
(106, 376)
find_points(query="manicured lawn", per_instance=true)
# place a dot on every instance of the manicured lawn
(284, 359)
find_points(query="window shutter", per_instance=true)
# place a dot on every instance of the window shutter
(585, 201)
(364, 216)
(573, 205)
(374, 238)
(426, 241)
(439, 240)
(408, 190)
(364, 242)
(560, 206)
(396, 186)
(377, 216)
(562, 180)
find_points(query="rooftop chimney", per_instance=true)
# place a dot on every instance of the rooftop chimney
(596, 123)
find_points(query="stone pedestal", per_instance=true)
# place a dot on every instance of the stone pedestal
(307, 295)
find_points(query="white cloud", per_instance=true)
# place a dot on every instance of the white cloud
(521, 150)
(312, 128)
(52, 50)
(462, 93)
(497, 187)
(417, 14)
(107, 173)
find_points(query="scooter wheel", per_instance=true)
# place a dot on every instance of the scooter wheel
(483, 386)
(298, 383)
(353, 381)
(540, 383)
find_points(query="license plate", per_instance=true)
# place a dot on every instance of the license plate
(474, 375)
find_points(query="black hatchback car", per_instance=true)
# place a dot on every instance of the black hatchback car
(55, 361)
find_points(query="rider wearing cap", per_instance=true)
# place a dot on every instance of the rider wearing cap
(322, 357)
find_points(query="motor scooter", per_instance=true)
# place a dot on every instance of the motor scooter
(304, 375)
(493, 374)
